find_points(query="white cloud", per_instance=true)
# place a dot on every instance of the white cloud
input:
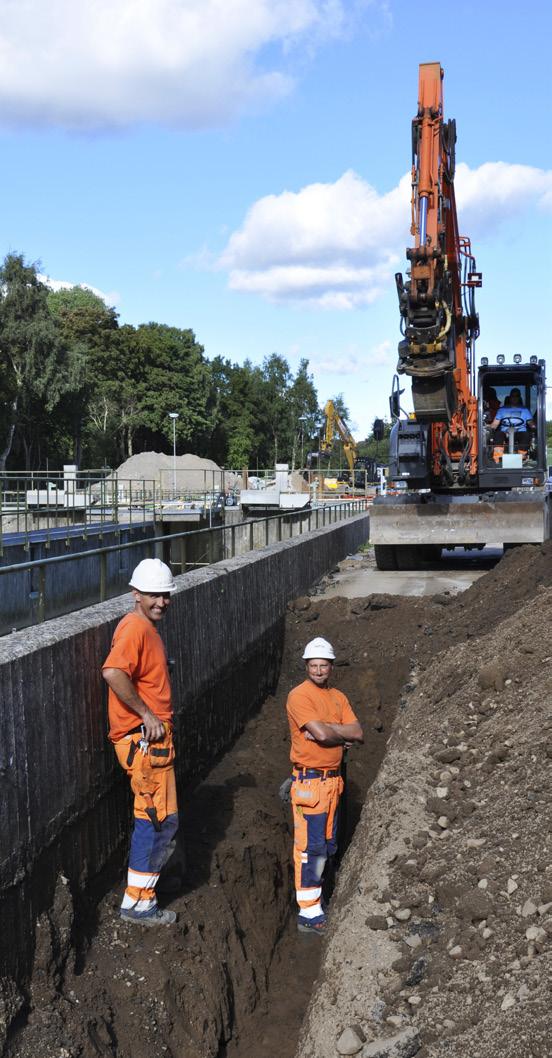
(337, 245)
(332, 245)
(88, 64)
(496, 191)
(112, 298)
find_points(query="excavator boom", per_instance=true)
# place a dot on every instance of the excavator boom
(468, 470)
(438, 318)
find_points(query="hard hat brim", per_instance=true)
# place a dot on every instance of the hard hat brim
(153, 591)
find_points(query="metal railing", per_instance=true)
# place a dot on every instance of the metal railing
(255, 536)
(48, 507)
(44, 506)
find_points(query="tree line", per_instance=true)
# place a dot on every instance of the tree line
(76, 385)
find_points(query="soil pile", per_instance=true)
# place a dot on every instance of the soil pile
(442, 926)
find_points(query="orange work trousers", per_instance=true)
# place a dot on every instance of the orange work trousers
(315, 803)
(153, 784)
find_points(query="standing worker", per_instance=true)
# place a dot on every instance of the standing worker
(322, 724)
(140, 727)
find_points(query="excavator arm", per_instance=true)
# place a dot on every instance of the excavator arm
(438, 319)
(335, 425)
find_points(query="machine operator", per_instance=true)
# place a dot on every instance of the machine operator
(515, 411)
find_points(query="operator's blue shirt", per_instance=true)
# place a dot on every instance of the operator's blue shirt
(514, 413)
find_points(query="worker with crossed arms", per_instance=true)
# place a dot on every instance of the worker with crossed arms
(322, 724)
(140, 728)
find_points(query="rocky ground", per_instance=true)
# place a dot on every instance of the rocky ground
(440, 926)
(441, 940)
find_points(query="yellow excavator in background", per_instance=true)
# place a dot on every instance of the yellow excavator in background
(335, 425)
(362, 470)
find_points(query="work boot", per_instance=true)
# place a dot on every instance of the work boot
(156, 917)
(312, 925)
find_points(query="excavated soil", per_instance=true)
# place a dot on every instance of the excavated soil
(187, 992)
(441, 939)
(455, 832)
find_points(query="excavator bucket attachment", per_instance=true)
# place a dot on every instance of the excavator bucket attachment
(434, 398)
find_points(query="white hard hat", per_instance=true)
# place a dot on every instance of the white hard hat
(152, 577)
(319, 648)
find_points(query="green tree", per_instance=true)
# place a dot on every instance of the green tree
(173, 376)
(36, 368)
(304, 416)
(274, 407)
(88, 328)
(377, 449)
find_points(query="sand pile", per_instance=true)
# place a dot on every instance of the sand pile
(193, 473)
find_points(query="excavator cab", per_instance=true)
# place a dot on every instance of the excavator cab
(514, 454)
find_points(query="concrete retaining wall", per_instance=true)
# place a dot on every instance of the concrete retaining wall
(65, 805)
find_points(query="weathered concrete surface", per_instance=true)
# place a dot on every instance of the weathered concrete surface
(65, 804)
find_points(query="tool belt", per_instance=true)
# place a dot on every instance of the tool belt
(159, 754)
(315, 773)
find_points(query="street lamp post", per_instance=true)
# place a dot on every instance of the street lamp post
(302, 420)
(174, 416)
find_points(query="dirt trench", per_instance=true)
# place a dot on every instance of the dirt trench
(233, 978)
(102, 987)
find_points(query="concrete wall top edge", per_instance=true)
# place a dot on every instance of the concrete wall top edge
(37, 637)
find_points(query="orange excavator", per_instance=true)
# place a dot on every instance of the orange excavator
(456, 484)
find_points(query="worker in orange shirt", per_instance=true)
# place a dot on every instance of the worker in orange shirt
(322, 724)
(140, 727)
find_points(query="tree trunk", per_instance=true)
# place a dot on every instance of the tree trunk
(28, 448)
(9, 438)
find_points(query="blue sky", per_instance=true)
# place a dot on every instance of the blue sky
(240, 168)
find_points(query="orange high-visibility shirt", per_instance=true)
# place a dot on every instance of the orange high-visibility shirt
(137, 649)
(309, 702)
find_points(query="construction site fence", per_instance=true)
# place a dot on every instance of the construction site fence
(39, 579)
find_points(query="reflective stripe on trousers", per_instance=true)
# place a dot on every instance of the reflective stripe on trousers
(315, 814)
(151, 845)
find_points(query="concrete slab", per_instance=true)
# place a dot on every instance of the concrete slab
(453, 574)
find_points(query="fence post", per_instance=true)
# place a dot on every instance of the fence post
(183, 563)
(279, 528)
(103, 577)
(309, 521)
(232, 541)
(267, 532)
(41, 593)
(251, 536)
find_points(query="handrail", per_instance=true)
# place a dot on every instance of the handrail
(18, 567)
(326, 514)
